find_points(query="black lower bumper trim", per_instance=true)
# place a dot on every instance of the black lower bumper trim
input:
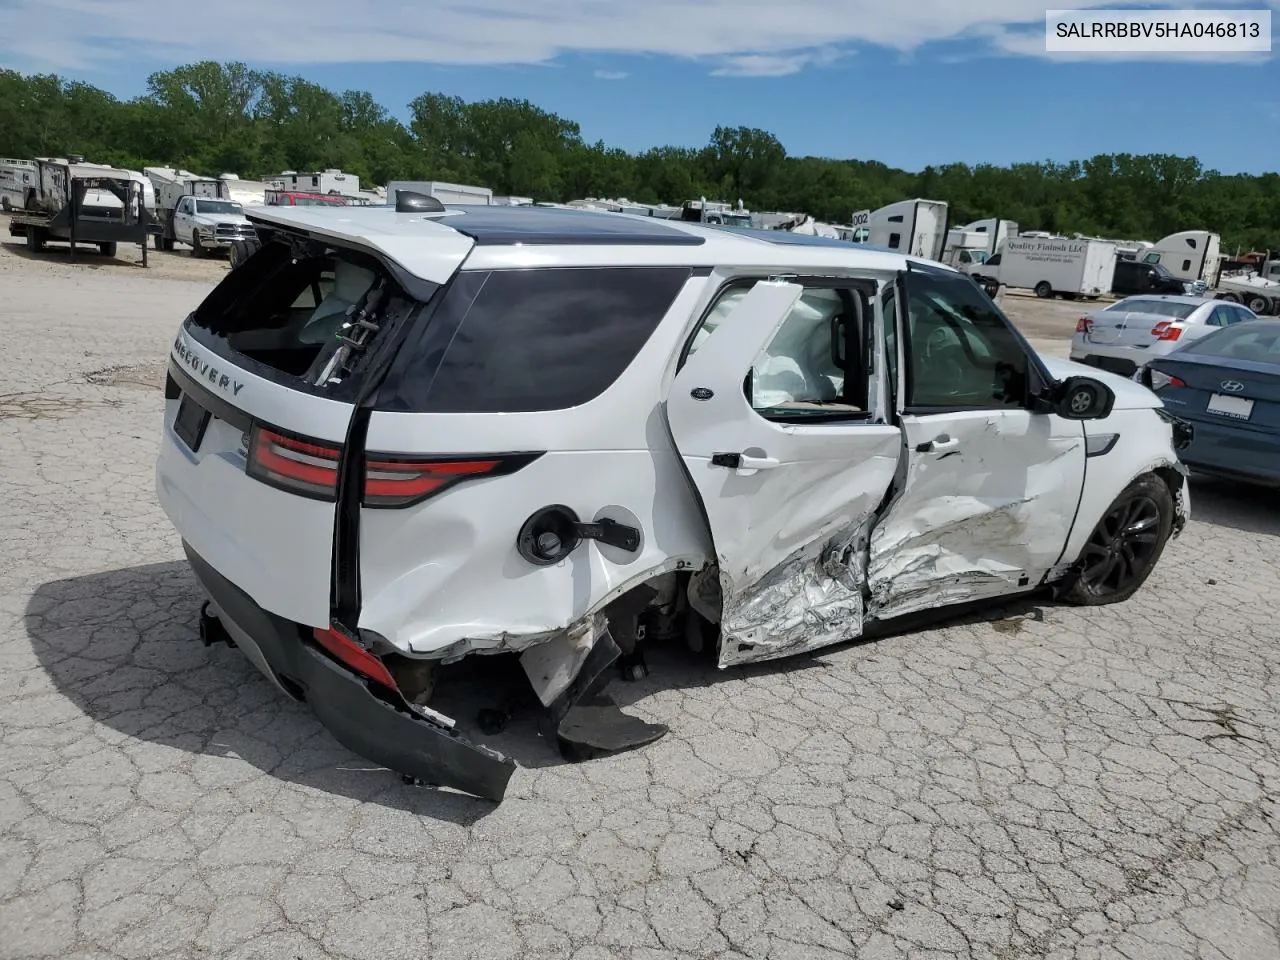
(585, 721)
(384, 730)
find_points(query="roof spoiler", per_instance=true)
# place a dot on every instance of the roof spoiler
(410, 201)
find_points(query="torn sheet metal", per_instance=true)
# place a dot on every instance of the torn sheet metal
(811, 600)
(552, 665)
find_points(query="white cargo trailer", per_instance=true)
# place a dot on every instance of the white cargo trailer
(1051, 267)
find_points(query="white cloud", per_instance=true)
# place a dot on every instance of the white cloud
(611, 75)
(775, 65)
(735, 37)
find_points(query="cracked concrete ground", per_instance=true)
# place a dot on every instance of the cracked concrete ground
(1036, 781)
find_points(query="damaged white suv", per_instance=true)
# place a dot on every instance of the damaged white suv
(397, 437)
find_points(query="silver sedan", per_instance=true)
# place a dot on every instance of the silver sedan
(1125, 336)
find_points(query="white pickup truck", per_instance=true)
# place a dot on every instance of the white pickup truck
(209, 224)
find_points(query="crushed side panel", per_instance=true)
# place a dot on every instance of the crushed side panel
(812, 599)
(940, 543)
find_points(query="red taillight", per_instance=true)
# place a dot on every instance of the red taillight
(304, 467)
(1176, 382)
(354, 656)
(1165, 330)
(1173, 333)
(398, 483)
(1084, 325)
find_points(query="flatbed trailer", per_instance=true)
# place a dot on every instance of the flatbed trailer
(69, 225)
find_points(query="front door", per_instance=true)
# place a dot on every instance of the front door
(775, 415)
(990, 489)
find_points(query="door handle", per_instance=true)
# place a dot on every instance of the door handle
(938, 444)
(740, 461)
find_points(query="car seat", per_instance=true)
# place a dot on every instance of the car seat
(350, 284)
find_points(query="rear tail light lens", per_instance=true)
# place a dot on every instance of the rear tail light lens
(309, 468)
(1161, 380)
(352, 655)
(1084, 325)
(1173, 333)
(398, 483)
(1165, 330)
(305, 467)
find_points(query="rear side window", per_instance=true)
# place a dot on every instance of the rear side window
(515, 341)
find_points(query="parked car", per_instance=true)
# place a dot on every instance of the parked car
(1132, 277)
(1227, 385)
(1131, 332)
(391, 442)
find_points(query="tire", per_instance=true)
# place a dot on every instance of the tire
(1043, 290)
(4, 202)
(35, 239)
(108, 249)
(1258, 304)
(1229, 297)
(197, 249)
(1125, 546)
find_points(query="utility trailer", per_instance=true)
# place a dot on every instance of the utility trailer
(83, 205)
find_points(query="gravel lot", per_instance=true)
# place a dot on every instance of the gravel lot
(1037, 782)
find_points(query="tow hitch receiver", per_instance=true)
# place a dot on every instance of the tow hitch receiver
(211, 629)
(585, 721)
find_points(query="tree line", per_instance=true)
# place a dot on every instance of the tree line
(226, 117)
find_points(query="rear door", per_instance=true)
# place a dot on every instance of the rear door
(776, 420)
(257, 416)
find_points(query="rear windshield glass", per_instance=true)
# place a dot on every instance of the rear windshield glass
(511, 341)
(1160, 308)
(1260, 343)
(285, 312)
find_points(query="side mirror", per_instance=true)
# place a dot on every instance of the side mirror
(1083, 398)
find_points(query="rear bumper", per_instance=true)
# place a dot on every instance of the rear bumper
(1122, 360)
(385, 730)
(1232, 452)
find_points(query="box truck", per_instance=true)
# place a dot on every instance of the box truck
(1051, 267)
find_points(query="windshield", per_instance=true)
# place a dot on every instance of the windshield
(737, 220)
(218, 206)
(1258, 342)
(1174, 309)
(316, 202)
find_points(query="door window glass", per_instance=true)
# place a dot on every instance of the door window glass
(889, 307)
(961, 352)
(1220, 317)
(815, 366)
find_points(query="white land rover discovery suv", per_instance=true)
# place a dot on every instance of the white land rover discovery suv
(399, 436)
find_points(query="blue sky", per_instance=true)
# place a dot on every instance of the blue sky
(909, 85)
